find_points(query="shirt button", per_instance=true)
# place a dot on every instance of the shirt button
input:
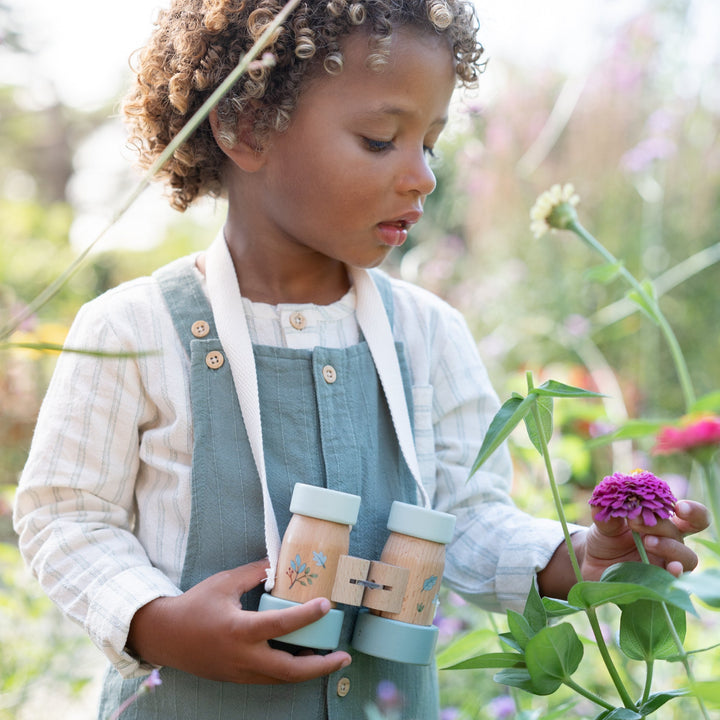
(343, 686)
(328, 372)
(297, 320)
(214, 359)
(200, 329)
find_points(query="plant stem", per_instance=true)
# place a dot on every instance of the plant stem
(650, 666)
(684, 659)
(553, 487)
(580, 690)
(712, 493)
(122, 708)
(590, 612)
(651, 303)
(640, 547)
(673, 631)
(605, 654)
(184, 133)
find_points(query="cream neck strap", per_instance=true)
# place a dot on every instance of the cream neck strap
(227, 307)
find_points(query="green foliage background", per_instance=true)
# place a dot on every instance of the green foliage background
(638, 136)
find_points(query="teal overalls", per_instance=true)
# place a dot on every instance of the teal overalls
(337, 435)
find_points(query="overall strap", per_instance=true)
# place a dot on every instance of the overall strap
(375, 326)
(382, 282)
(184, 297)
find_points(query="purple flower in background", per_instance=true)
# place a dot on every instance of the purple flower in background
(646, 152)
(456, 600)
(448, 626)
(149, 684)
(640, 494)
(450, 713)
(388, 696)
(502, 707)
(153, 680)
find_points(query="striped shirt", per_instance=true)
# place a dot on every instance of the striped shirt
(104, 502)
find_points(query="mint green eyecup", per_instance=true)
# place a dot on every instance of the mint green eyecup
(323, 634)
(394, 640)
(325, 504)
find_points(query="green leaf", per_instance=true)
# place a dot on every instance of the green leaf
(560, 711)
(709, 691)
(630, 430)
(705, 584)
(709, 544)
(545, 411)
(652, 577)
(552, 656)
(553, 388)
(510, 641)
(707, 403)
(644, 631)
(468, 646)
(625, 583)
(490, 660)
(619, 714)
(604, 273)
(657, 700)
(54, 347)
(559, 608)
(520, 628)
(646, 303)
(517, 677)
(504, 422)
(534, 611)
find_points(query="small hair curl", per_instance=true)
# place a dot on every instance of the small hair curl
(195, 44)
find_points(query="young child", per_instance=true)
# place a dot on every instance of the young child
(277, 357)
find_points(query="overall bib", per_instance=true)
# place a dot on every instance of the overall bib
(334, 433)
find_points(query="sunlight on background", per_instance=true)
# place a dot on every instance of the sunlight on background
(80, 51)
(620, 97)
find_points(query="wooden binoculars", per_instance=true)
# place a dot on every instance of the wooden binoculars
(397, 594)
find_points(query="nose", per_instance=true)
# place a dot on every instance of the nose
(415, 174)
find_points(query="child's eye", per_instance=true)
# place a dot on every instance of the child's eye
(377, 145)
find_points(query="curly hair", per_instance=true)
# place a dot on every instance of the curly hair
(195, 45)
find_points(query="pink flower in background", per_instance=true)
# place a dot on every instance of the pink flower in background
(641, 494)
(693, 433)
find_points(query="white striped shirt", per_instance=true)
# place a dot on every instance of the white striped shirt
(104, 502)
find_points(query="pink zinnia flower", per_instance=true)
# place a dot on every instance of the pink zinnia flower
(629, 496)
(694, 433)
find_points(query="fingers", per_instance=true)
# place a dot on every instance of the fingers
(673, 554)
(275, 666)
(611, 541)
(691, 517)
(287, 668)
(270, 624)
(245, 577)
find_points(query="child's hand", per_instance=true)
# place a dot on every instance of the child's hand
(607, 543)
(206, 632)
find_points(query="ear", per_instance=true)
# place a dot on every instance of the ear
(247, 153)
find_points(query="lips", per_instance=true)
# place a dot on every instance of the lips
(394, 232)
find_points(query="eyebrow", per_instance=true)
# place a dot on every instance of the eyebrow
(396, 110)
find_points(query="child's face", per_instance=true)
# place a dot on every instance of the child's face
(350, 175)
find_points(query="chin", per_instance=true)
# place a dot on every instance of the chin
(373, 262)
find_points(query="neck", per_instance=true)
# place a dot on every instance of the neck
(292, 276)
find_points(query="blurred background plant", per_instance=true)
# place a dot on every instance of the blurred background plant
(633, 123)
